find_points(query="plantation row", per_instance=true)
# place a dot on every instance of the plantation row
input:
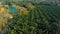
(42, 20)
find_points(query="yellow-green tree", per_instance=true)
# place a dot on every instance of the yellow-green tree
(4, 16)
(30, 6)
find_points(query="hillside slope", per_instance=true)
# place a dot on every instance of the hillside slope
(42, 20)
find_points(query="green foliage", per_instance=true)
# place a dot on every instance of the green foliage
(42, 20)
(30, 6)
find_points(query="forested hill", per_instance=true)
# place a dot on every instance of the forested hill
(54, 2)
(39, 19)
(30, 17)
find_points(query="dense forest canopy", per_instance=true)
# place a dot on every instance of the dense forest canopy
(54, 2)
(41, 17)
